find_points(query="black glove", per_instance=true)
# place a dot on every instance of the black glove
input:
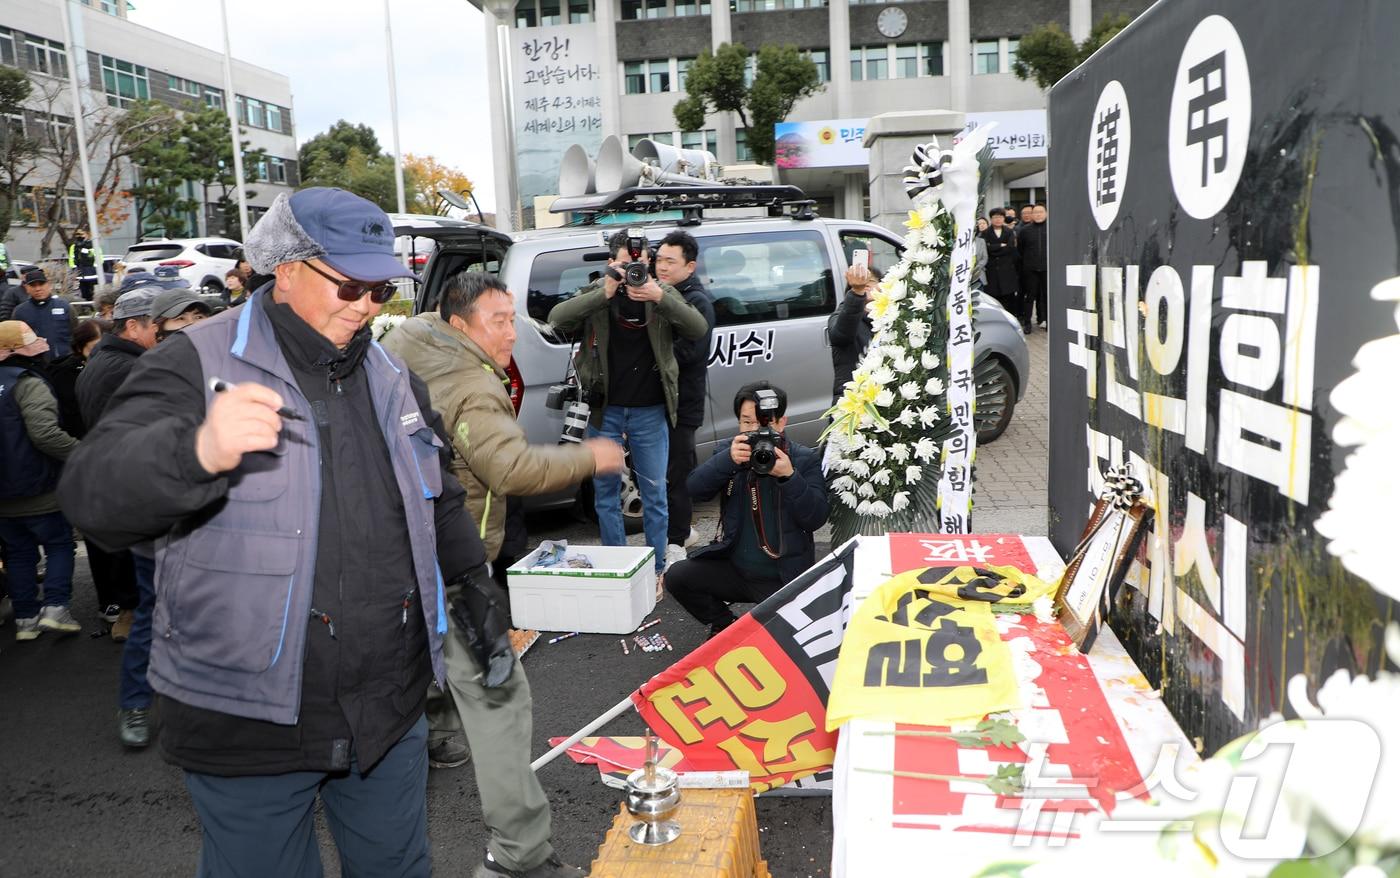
(483, 623)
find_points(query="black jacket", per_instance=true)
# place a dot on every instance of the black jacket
(1003, 266)
(364, 683)
(803, 510)
(10, 297)
(63, 375)
(848, 331)
(111, 361)
(693, 356)
(1031, 239)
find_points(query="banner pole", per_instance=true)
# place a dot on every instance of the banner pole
(613, 713)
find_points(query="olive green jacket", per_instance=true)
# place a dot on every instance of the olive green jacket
(494, 458)
(665, 319)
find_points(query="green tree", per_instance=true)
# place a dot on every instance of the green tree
(164, 169)
(715, 83)
(204, 131)
(19, 153)
(1047, 54)
(350, 157)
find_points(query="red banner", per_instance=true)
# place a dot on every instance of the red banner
(912, 551)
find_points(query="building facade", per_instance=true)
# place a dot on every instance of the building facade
(873, 58)
(127, 62)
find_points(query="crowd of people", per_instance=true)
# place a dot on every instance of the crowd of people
(298, 549)
(1013, 254)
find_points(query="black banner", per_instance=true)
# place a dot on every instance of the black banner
(1225, 201)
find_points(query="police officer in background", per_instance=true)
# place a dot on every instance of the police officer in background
(84, 258)
(675, 265)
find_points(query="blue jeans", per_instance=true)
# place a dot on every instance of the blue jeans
(23, 536)
(265, 824)
(648, 437)
(135, 689)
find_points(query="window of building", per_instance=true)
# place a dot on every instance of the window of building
(986, 57)
(763, 276)
(741, 145)
(906, 62)
(580, 11)
(682, 70)
(46, 56)
(692, 7)
(707, 140)
(7, 47)
(665, 137)
(1013, 44)
(634, 78)
(631, 10)
(57, 129)
(253, 113)
(550, 13)
(870, 62)
(183, 86)
(932, 59)
(750, 70)
(124, 82)
(14, 127)
(659, 76)
(276, 170)
(213, 97)
(526, 15)
(656, 9)
(274, 118)
(821, 58)
(110, 7)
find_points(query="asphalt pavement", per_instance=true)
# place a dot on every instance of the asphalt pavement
(73, 802)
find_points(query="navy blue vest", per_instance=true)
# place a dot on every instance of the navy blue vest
(50, 321)
(25, 471)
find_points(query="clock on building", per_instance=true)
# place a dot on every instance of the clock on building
(892, 21)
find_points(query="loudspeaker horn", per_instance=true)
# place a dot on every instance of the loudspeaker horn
(619, 170)
(667, 159)
(577, 172)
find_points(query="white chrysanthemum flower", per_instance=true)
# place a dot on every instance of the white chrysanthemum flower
(923, 255)
(899, 452)
(901, 501)
(929, 359)
(848, 498)
(908, 418)
(929, 416)
(919, 302)
(843, 483)
(882, 376)
(934, 386)
(874, 453)
(881, 477)
(859, 468)
(903, 363)
(897, 291)
(913, 474)
(909, 390)
(879, 508)
(925, 449)
(899, 272)
(918, 333)
(865, 490)
(863, 508)
(855, 442)
(928, 212)
(923, 275)
(885, 398)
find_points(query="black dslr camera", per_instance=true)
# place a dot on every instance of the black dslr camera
(765, 441)
(634, 273)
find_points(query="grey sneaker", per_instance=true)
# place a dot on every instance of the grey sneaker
(450, 752)
(550, 868)
(27, 629)
(59, 619)
(134, 727)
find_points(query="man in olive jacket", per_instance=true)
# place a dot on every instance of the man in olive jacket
(626, 365)
(461, 353)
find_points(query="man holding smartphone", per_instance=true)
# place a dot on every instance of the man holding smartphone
(849, 329)
(627, 368)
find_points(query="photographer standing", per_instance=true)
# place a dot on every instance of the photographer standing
(675, 265)
(627, 369)
(771, 506)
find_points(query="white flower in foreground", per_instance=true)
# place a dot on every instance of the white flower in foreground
(925, 449)
(929, 359)
(909, 390)
(913, 474)
(865, 490)
(903, 363)
(843, 483)
(922, 255)
(885, 398)
(879, 508)
(928, 212)
(899, 272)
(873, 454)
(881, 478)
(908, 418)
(882, 376)
(859, 468)
(863, 508)
(918, 333)
(923, 275)
(848, 498)
(920, 302)
(901, 501)
(1044, 608)
(929, 416)
(934, 386)
(899, 452)
(898, 291)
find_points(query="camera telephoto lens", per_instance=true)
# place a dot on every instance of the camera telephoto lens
(575, 422)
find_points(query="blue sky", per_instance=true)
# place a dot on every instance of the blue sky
(334, 54)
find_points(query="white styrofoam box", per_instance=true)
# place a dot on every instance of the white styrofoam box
(613, 597)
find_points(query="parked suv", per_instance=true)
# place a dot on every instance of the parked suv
(202, 262)
(774, 280)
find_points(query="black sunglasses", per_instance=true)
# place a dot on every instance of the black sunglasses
(354, 290)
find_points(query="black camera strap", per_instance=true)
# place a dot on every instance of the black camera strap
(756, 510)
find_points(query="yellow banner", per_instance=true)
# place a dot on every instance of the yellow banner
(924, 648)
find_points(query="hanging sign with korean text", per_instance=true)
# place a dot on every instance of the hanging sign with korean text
(557, 100)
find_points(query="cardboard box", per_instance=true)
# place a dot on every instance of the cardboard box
(719, 839)
(611, 598)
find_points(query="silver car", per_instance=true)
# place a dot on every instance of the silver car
(774, 282)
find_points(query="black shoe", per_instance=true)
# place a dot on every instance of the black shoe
(450, 752)
(550, 868)
(134, 727)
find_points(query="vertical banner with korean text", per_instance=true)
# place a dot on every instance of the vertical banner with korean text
(1223, 215)
(754, 697)
(959, 197)
(558, 102)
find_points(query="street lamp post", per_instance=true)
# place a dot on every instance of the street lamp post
(231, 105)
(70, 11)
(394, 107)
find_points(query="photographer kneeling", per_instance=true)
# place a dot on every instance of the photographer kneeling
(774, 499)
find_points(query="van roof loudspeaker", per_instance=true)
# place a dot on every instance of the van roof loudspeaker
(577, 172)
(619, 170)
(666, 160)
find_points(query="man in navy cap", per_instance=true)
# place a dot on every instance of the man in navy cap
(306, 524)
(48, 315)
